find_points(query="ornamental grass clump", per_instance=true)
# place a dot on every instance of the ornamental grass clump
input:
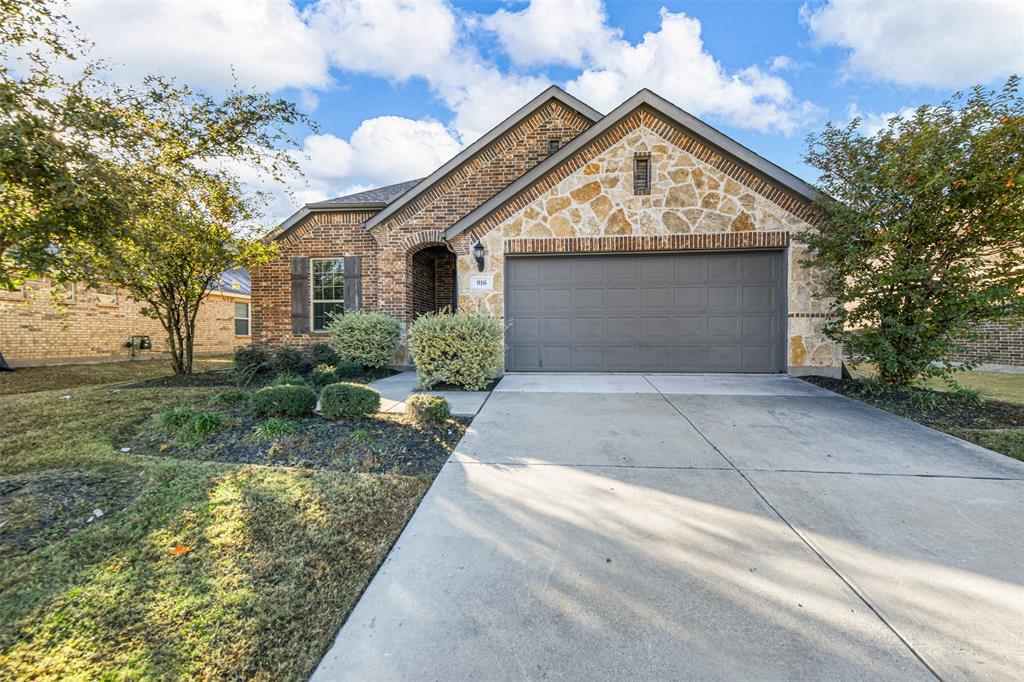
(284, 401)
(367, 339)
(461, 349)
(348, 401)
(428, 410)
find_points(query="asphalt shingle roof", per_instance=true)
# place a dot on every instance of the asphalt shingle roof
(235, 281)
(378, 195)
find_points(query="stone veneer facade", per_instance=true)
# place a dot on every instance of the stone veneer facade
(34, 327)
(692, 205)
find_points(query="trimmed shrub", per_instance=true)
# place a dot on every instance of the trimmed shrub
(230, 397)
(428, 410)
(348, 401)
(323, 375)
(251, 359)
(321, 353)
(284, 401)
(289, 379)
(462, 349)
(367, 339)
(289, 360)
(346, 370)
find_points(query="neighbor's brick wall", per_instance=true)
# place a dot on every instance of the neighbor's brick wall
(1001, 343)
(32, 327)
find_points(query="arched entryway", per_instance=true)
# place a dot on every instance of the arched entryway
(431, 280)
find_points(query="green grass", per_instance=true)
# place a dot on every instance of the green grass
(29, 379)
(197, 570)
(1010, 442)
(989, 385)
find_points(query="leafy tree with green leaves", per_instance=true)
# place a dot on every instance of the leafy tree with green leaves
(198, 219)
(921, 234)
(61, 184)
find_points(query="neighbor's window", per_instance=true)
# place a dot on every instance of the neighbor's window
(12, 293)
(106, 295)
(642, 174)
(63, 291)
(328, 290)
(241, 319)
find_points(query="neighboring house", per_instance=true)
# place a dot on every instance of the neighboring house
(641, 240)
(999, 343)
(45, 321)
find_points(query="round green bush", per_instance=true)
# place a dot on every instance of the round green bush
(348, 401)
(462, 349)
(346, 370)
(428, 410)
(367, 339)
(284, 401)
(289, 360)
(251, 359)
(323, 375)
(289, 379)
(321, 353)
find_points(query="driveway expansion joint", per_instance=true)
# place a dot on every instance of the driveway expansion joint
(863, 598)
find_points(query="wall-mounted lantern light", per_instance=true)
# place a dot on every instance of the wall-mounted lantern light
(478, 253)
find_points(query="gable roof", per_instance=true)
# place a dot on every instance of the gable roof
(551, 93)
(369, 200)
(691, 124)
(235, 281)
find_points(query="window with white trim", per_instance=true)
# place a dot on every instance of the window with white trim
(106, 295)
(241, 319)
(327, 290)
(63, 291)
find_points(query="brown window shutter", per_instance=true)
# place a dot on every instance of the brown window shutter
(353, 283)
(300, 295)
(642, 174)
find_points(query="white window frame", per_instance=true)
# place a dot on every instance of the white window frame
(110, 304)
(312, 291)
(70, 292)
(247, 318)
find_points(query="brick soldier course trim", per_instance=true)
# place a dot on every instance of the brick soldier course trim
(636, 244)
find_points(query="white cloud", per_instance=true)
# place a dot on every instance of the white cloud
(938, 44)
(782, 62)
(266, 42)
(394, 38)
(673, 62)
(872, 122)
(552, 31)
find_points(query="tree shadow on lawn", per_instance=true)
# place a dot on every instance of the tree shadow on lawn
(267, 565)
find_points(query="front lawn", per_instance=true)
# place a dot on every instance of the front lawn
(995, 422)
(53, 377)
(234, 557)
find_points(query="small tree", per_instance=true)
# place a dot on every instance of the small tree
(922, 231)
(192, 225)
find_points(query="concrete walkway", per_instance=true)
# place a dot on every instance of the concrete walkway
(699, 527)
(396, 389)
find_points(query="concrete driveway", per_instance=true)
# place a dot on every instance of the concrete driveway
(607, 527)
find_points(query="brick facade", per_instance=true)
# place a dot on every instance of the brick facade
(698, 199)
(1000, 343)
(35, 326)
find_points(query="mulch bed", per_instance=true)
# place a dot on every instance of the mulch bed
(39, 508)
(948, 411)
(380, 444)
(226, 377)
(452, 387)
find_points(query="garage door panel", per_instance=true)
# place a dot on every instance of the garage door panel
(701, 312)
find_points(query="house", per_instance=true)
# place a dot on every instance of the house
(641, 240)
(45, 321)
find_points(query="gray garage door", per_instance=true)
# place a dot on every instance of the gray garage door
(705, 312)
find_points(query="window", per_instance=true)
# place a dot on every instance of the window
(241, 319)
(328, 290)
(554, 146)
(12, 293)
(642, 174)
(106, 295)
(63, 292)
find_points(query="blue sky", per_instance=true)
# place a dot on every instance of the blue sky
(398, 86)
